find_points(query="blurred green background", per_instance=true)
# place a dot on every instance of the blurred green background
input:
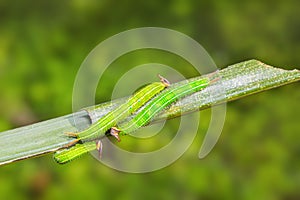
(43, 43)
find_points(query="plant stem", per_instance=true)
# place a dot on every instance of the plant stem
(236, 81)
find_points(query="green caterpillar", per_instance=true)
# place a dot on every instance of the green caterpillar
(158, 103)
(162, 100)
(142, 96)
(99, 129)
(66, 155)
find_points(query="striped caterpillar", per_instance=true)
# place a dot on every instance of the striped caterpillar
(99, 129)
(157, 100)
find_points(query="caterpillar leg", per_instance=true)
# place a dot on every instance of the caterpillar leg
(72, 143)
(99, 147)
(164, 80)
(115, 132)
(72, 134)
